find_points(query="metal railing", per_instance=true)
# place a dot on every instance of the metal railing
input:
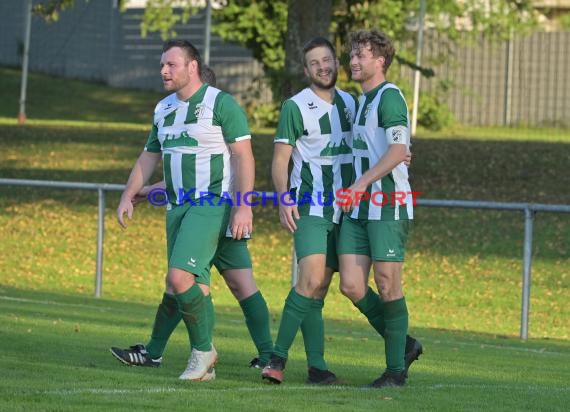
(101, 189)
(529, 210)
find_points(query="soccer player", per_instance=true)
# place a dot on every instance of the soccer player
(202, 136)
(374, 235)
(315, 130)
(239, 280)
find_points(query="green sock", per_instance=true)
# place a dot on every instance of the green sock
(372, 306)
(211, 316)
(166, 319)
(256, 316)
(193, 307)
(396, 318)
(313, 329)
(295, 309)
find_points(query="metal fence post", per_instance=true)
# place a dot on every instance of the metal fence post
(100, 236)
(527, 261)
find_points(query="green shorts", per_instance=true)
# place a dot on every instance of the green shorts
(232, 254)
(382, 240)
(317, 235)
(193, 233)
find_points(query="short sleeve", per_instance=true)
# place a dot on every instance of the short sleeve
(392, 110)
(152, 143)
(231, 117)
(290, 126)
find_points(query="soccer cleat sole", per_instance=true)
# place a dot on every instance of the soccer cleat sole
(272, 375)
(124, 362)
(205, 378)
(209, 376)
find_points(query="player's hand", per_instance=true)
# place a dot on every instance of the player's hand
(351, 196)
(288, 213)
(408, 159)
(346, 202)
(241, 222)
(125, 206)
(141, 196)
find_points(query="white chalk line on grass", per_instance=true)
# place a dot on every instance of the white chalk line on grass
(541, 351)
(53, 303)
(194, 389)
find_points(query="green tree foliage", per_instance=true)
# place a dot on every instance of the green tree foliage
(49, 10)
(159, 16)
(261, 26)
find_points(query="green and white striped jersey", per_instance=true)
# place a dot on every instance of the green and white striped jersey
(320, 133)
(379, 109)
(193, 137)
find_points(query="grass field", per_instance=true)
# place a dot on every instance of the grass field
(462, 276)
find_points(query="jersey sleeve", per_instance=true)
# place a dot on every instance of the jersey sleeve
(232, 118)
(290, 126)
(152, 143)
(392, 110)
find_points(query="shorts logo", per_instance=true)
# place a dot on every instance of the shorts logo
(391, 253)
(192, 262)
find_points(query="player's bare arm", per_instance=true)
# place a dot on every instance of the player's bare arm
(395, 155)
(243, 164)
(288, 213)
(140, 174)
(142, 194)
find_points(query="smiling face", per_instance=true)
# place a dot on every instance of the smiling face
(177, 70)
(321, 67)
(365, 68)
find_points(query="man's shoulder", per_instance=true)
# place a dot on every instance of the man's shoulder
(167, 103)
(344, 93)
(301, 96)
(222, 99)
(391, 94)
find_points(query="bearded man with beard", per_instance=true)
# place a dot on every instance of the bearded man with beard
(315, 130)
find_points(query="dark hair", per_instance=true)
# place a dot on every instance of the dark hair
(380, 44)
(208, 76)
(191, 51)
(317, 42)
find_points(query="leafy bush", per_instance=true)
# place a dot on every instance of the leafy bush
(433, 111)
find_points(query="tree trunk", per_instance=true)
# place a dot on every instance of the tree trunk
(305, 20)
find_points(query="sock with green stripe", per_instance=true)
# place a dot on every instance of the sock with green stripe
(372, 306)
(211, 316)
(256, 316)
(313, 329)
(193, 307)
(166, 319)
(396, 319)
(295, 309)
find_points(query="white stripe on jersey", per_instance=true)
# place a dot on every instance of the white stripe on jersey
(203, 178)
(375, 138)
(309, 148)
(175, 168)
(204, 140)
